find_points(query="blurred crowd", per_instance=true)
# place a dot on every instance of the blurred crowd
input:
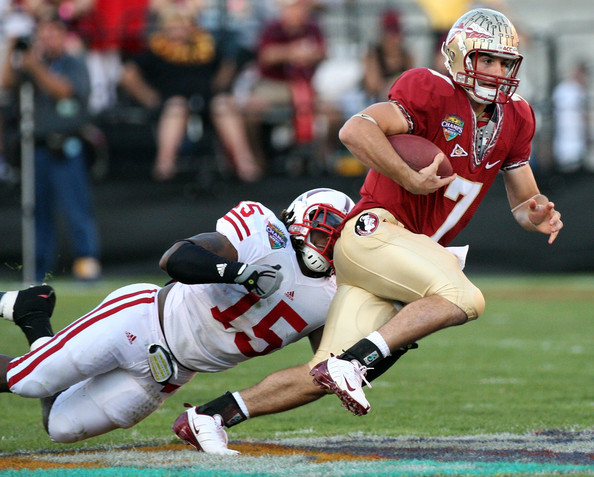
(253, 77)
(245, 72)
(248, 81)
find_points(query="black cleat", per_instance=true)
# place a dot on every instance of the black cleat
(30, 310)
(21, 305)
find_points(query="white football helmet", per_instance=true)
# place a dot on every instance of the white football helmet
(322, 210)
(483, 31)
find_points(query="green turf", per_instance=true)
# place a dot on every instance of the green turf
(527, 364)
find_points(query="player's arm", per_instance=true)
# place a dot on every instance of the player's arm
(364, 134)
(211, 258)
(531, 209)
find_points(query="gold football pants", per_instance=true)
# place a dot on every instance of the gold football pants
(378, 264)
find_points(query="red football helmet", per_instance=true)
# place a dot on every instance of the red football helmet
(483, 31)
(320, 210)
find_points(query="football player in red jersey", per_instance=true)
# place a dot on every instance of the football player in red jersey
(255, 285)
(393, 244)
(392, 247)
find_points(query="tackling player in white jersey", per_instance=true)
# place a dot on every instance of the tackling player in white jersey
(252, 287)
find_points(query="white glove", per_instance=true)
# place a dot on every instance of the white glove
(261, 280)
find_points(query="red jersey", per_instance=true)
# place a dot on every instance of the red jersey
(275, 33)
(440, 111)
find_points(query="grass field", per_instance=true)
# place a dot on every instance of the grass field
(526, 366)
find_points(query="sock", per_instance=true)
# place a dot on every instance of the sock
(36, 326)
(364, 351)
(227, 407)
(241, 404)
(381, 367)
(7, 300)
(378, 340)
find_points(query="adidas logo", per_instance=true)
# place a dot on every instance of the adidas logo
(221, 268)
(130, 337)
(290, 295)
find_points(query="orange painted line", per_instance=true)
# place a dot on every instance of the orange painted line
(32, 462)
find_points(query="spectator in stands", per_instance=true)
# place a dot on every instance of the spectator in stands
(13, 23)
(61, 86)
(384, 61)
(182, 62)
(570, 107)
(112, 30)
(290, 48)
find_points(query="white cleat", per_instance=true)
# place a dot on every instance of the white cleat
(345, 379)
(203, 432)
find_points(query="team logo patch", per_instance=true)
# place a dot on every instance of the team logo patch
(367, 224)
(473, 31)
(452, 126)
(276, 236)
(458, 151)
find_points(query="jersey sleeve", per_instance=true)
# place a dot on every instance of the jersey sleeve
(417, 91)
(253, 230)
(524, 127)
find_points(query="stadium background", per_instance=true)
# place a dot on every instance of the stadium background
(138, 219)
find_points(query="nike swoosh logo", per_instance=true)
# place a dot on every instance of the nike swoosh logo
(489, 165)
(349, 386)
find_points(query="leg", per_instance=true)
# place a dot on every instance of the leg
(45, 234)
(4, 360)
(118, 399)
(202, 427)
(421, 318)
(72, 191)
(89, 346)
(171, 131)
(426, 275)
(232, 132)
(285, 389)
(30, 310)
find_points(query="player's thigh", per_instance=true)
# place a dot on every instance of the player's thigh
(118, 399)
(111, 335)
(393, 263)
(353, 314)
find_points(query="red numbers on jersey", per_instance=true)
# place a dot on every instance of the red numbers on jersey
(248, 208)
(263, 329)
(236, 215)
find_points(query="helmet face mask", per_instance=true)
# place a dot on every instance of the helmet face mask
(483, 32)
(313, 219)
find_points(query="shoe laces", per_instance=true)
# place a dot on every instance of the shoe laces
(361, 372)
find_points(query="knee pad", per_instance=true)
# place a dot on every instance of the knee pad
(62, 428)
(467, 297)
(32, 389)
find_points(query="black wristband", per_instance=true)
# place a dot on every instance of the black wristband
(193, 264)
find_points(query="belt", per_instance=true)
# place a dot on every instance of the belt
(163, 292)
(161, 295)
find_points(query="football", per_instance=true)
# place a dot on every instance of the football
(419, 152)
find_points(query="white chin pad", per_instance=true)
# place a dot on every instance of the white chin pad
(314, 260)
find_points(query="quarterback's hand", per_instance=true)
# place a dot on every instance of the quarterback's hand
(545, 218)
(261, 280)
(426, 181)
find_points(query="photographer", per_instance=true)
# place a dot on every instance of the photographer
(61, 85)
